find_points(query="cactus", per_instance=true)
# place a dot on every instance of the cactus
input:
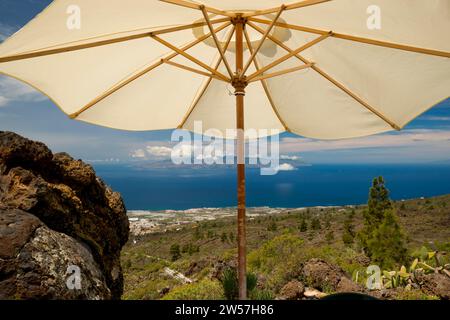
(355, 276)
(413, 266)
(427, 262)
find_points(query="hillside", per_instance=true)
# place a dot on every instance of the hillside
(278, 250)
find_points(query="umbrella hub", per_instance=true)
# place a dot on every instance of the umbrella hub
(239, 83)
(239, 19)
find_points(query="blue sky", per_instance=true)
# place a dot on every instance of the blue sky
(22, 110)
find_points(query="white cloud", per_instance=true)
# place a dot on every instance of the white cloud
(405, 138)
(3, 101)
(110, 160)
(138, 154)
(286, 167)
(435, 118)
(159, 151)
(14, 90)
(287, 157)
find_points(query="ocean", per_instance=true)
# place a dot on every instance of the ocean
(317, 185)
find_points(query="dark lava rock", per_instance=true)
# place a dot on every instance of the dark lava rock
(293, 290)
(56, 213)
(321, 275)
(437, 284)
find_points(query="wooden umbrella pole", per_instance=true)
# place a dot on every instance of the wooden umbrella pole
(239, 83)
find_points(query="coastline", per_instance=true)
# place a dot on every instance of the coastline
(144, 222)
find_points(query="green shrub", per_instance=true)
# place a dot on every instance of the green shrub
(224, 237)
(329, 237)
(193, 249)
(198, 235)
(175, 252)
(261, 295)
(272, 226)
(315, 224)
(205, 289)
(252, 281)
(414, 295)
(303, 226)
(277, 259)
(230, 283)
(126, 264)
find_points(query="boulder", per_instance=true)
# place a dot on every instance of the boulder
(324, 276)
(347, 285)
(38, 262)
(436, 284)
(293, 290)
(57, 204)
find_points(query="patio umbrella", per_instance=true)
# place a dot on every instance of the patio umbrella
(324, 69)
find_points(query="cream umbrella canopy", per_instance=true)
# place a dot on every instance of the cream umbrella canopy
(314, 67)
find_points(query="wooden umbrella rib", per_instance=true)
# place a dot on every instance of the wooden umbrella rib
(282, 72)
(208, 82)
(265, 86)
(329, 78)
(41, 53)
(127, 81)
(190, 57)
(187, 68)
(263, 39)
(290, 55)
(190, 26)
(369, 41)
(216, 41)
(291, 6)
(193, 5)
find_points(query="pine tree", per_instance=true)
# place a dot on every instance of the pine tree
(175, 252)
(378, 203)
(373, 216)
(382, 237)
(315, 224)
(348, 235)
(387, 244)
(303, 226)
